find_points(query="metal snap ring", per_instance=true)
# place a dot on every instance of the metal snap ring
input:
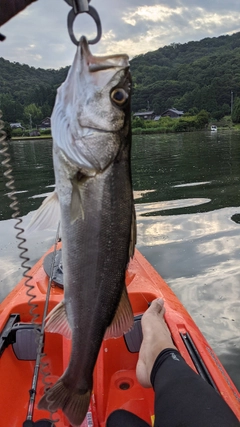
(70, 21)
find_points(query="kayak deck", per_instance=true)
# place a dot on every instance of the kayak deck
(115, 383)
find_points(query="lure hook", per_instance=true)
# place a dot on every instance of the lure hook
(82, 6)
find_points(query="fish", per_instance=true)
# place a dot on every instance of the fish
(91, 129)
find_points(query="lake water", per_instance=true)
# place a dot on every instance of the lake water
(187, 192)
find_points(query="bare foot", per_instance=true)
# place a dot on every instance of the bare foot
(156, 337)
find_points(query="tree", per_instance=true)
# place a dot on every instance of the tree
(236, 111)
(193, 111)
(202, 118)
(12, 110)
(138, 123)
(195, 75)
(46, 110)
(32, 114)
(7, 128)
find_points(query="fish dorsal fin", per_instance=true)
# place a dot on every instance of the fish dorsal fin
(123, 319)
(47, 216)
(76, 207)
(133, 238)
(56, 321)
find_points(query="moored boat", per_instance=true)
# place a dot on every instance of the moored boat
(115, 383)
(213, 128)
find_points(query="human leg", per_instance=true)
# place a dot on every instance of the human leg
(122, 418)
(182, 397)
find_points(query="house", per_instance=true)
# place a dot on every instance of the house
(45, 124)
(173, 113)
(16, 126)
(156, 118)
(145, 115)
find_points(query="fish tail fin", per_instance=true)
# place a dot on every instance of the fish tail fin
(73, 404)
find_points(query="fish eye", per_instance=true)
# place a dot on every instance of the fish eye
(119, 96)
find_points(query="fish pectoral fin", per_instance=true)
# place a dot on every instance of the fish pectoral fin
(73, 404)
(48, 215)
(123, 319)
(57, 322)
(133, 238)
(76, 208)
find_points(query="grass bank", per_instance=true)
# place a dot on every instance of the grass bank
(187, 123)
(226, 123)
(164, 125)
(23, 138)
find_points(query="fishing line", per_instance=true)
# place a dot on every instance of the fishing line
(44, 366)
(40, 366)
(144, 298)
(16, 212)
(6, 163)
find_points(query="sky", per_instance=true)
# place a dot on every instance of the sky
(38, 36)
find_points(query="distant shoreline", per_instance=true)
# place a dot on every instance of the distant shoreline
(150, 131)
(144, 132)
(23, 138)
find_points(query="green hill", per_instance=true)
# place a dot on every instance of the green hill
(195, 74)
(198, 75)
(27, 90)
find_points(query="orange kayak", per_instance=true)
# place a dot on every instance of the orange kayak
(115, 383)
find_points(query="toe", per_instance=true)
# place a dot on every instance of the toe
(157, 306)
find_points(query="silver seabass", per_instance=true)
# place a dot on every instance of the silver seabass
(91, 153)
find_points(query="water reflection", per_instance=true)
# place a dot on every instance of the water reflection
(40, 196)
(10, 266)
(199, 256)
(154, 209)
(32, 171)
(186, 189)
(138, 194)
(191, 184)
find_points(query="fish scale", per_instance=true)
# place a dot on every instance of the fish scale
(91, 127)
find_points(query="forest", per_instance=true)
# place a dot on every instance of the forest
(191, 77)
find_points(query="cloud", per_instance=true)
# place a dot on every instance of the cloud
(157, 13)
(39, 37)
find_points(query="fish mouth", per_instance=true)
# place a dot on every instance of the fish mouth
(99, 63)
